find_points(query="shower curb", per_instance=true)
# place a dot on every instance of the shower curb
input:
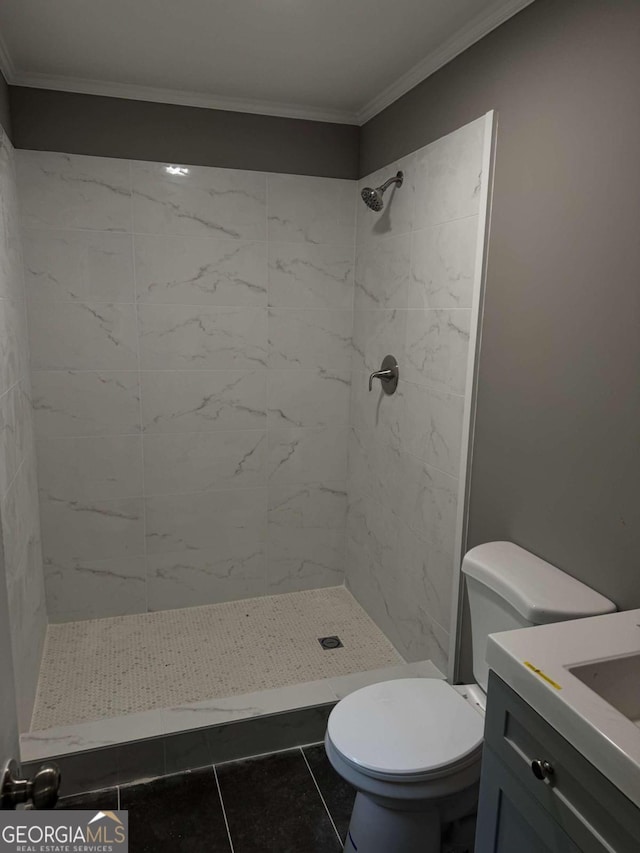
(141, 760)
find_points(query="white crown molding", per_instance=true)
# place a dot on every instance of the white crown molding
(475, 30)
(174, 96)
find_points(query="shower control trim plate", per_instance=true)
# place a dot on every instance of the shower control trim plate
(388, 375)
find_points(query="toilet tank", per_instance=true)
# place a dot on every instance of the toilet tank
(511, 588)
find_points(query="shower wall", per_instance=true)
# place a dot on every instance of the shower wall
(415, 267)
(191, 348)
(20, 526)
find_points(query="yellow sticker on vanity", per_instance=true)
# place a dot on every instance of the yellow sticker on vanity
(543, 675)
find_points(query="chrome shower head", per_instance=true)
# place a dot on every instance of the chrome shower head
(373, 197)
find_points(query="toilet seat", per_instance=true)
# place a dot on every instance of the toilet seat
(411, 729)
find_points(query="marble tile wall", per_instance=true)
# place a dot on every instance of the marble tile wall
(191, 357)
(415, 265)
(21, 556)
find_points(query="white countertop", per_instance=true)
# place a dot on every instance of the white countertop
(608, 739)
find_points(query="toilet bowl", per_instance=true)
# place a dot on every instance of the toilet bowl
(412, 748)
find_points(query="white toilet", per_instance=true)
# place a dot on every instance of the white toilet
(412, 748)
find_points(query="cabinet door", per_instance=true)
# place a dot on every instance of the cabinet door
(510, 820)
(583, 802)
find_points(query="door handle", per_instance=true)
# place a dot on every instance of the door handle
(42, 790)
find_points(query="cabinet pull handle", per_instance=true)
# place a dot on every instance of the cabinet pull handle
(542, 769)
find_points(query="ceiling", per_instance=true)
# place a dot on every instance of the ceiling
(332, 60)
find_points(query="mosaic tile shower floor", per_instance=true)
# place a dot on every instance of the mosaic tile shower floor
(127, 664)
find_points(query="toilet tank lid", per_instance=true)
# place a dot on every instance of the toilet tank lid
(540, 592)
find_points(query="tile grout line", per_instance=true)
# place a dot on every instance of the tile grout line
(224, 811)
(326, 807)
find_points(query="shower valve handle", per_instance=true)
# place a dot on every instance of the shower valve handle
(388, 375)
(382, 375)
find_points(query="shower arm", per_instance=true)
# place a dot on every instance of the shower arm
(396, 179)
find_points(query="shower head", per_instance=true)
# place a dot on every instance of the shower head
(373, 197)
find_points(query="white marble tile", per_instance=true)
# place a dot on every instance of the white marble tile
(313, 505)
(397, 214)
(430, 425)
(14, 352)
(85, 266)
(90, 468)
(311, 210)
(95, 589)
(382, 273)
(234, 569)
(214, 712)
(449, 176)
(373, 527)
(304, 558)
(74, 191)
(180, 463)
(183, 337)
(11, 254)
(375, 411)
(203, 400)
(305, 275)
(429, 502)
(343, 685)
(443, 260)
(10, 444)
(92, 530)
(308, 398)
(89, 402)
(200, 270)
(20, 522)
(437, 644)
(197, 521)
(298, 456)
(389, 599)
(361, 581)
(375, 467)
(437, 344)
(310, 338)
(430, 571)
(205, 201)
(28, 623)
(376, 334)
(63, 740)
(82, 336)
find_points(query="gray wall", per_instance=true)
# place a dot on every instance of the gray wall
(44, 120)
(557, 453)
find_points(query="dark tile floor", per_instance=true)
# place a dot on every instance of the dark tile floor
(286, 802)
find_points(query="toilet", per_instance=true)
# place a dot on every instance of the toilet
(412, 748)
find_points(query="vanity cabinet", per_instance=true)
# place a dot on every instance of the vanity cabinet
(539, 794)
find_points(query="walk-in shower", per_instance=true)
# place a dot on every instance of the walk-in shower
(218, 491)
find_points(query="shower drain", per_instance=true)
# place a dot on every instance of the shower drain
(330, 642)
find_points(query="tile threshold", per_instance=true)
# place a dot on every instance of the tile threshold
(96, 734)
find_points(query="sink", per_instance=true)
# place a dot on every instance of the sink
(616, 680)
